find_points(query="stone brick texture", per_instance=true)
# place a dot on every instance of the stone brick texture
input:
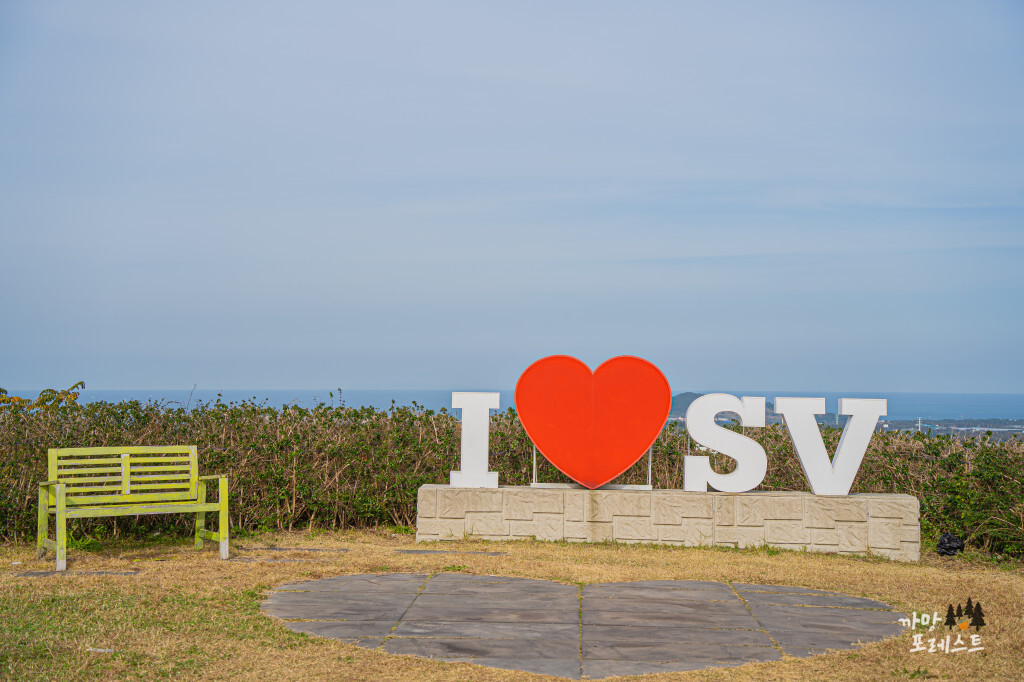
(882, 524)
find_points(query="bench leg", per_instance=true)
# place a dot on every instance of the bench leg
(44, 522)
(201, 515)
(62, 527)
(222, 527)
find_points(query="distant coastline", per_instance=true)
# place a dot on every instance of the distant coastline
(903, 407)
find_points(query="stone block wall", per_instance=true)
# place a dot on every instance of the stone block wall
(856, 524)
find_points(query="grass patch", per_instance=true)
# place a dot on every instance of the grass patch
(192, 616)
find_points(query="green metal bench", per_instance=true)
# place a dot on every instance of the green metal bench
(126, 481)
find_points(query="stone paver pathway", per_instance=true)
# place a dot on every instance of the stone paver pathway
(590, 632)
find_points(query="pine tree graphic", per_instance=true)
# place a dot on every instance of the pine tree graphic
(978, 618)
(959, 612)
(950, 618)
(969, 609)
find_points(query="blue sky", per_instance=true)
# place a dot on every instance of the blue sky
(788, 196)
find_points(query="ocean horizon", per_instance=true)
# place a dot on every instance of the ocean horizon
(901, 405)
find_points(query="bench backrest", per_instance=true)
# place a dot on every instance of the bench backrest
(125, 475)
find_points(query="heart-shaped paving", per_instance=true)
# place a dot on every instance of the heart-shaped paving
(592, 631)
(593, 425)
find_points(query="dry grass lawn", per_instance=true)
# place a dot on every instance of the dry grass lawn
(186, 614)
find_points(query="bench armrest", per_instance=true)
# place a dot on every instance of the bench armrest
(47, 484)
(214, 477)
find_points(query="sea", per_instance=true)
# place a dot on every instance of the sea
(901, 406)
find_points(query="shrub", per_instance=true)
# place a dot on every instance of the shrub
(339, 467)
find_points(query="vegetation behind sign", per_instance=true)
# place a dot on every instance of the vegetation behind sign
(340, 467)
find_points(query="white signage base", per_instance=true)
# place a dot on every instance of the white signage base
(887, 525)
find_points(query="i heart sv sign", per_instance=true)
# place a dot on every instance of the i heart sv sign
(594, 425)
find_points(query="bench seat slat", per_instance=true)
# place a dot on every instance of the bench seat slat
(150, 478)
(85, 489)
(158, 482)
(89, 479)
(151, 495)
(61, 473)
(151, 468)
(158, 486)
(129, 499)
(118, 450)
(96, 460)
(133, 509)
(158, 460)
(79, 489)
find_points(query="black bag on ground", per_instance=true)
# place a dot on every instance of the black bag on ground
(949, 545)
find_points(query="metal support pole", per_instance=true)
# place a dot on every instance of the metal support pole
(534, 463)
(650, 457)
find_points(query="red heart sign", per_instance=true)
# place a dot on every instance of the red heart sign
(593, 425)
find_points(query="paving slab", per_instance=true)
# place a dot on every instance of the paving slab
(602, 630)
(466, 647)
(791, 642)
(339, 597)
(651, 605)
(815, 618)
(476, 614)
(500, 602)
(347, 631)
(498, 589)
(753, 587)
(360, 583)
(359, 599)
(692, 614)
(453, 629)
(868, 630)
(780, 599)
(625, 592)
(624, 634)
(334, 612)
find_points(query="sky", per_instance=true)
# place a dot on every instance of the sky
(786, 195)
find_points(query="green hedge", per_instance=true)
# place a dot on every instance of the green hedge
(340, 467)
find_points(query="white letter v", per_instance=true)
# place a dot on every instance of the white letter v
(825, 476)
